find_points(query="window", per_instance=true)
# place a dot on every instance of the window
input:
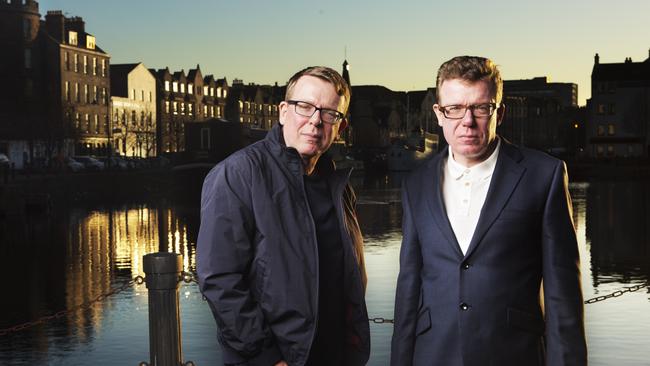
(95, 95)
(28, 58)
(103, 68)
(166, 106)
(85, 64)
(26, 29)
(150, 96)
(105, 126)
(175, 87)
(104, 96)
(224, 93)
(190, 88)
(77, 97)
(175, 107)
(142, 95)
(77, 120)
(612, 108)
(76, 63)
(601, 108)
(600, 130)
(166, 85)
(205, 110)
(96, 124)
(182, 87)
(205, 138)
(190, 107)
(66, 61)
(211, 91)
(142, 120)
(206, 90)
(241, 106)
(90, 42)
(610, 150)
(611, 129)
(66, 92)
(94, 65)
(134, 118)
(72, 38)
(182, 107)
(133, 94)
(219, 92)
(86, 93)
(86, 123)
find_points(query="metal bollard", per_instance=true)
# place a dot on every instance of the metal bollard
(162, 272)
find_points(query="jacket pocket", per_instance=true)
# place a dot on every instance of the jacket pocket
(423, 322)
(525, 321)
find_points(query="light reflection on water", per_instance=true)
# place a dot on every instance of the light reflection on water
(79, 254)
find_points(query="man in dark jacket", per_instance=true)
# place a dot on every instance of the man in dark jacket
(280, 253)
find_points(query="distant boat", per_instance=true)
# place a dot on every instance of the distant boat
(406, 155)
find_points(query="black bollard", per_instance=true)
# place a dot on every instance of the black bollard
(162, 274)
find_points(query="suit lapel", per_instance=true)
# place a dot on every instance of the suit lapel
(506, 176)
(435, 201)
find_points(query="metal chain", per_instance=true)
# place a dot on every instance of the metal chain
(616, 293)
(381, 320)
(86, 305)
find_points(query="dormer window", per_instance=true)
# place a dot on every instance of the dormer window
(72, 38)
(90, 42)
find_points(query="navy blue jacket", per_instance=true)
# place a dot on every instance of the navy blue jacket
(483, 308)
(257, 256)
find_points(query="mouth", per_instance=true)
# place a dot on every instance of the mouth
(311, 138)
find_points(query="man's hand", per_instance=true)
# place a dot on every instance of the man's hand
(281, 363)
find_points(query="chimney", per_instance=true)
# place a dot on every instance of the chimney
(55, 24)
(596, 59)
(76, 24)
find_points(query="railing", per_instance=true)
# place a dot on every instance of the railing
(163, 273)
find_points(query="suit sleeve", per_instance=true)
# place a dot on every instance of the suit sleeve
(225, 250)
(563, 303)
(408, 290)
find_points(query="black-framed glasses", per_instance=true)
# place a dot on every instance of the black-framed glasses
(478, 110)
(329, 116)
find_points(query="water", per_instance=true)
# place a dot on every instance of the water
(76, 254)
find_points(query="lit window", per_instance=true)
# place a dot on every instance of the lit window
(85, 64)
(190, 89)
(67, 91)
(103, 99)
(166, 106)
(611, 129)
(96, 124)
(103, 68)
(95, 94)
(211, 91)
(76, 62)
(206, 90)
(90, 42)
(94, 66)
(219, 92)
(182, 107)
(241, 106)
(77, 97)
(205, 110)
(66, 61)
(224, 93)
(175, 109)
(166, 85)
(175, 87)
(182, 87)
(86, 122)
(86, 93)
(72, 38)
(189, 109)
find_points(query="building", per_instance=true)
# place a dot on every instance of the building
(255, 105)
(55, 101)
(182, 98)
(133, 109)
(618, 111)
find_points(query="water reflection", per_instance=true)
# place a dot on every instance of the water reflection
(74, 256)
(618, 230)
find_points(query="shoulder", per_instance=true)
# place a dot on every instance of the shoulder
(529, 157)
(243, 163)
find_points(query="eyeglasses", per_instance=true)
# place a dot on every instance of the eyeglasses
(329, 116)
(478, 110)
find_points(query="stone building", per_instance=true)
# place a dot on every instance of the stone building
(133, 104)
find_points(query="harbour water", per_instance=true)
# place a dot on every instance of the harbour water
(74, 255)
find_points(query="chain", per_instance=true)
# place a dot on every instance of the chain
(616, 293)
(380, 320)
(86, 305)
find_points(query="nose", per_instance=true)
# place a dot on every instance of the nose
(468, 118)
(315, 118)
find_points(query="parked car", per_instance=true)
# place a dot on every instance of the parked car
(72, 165)
(115, 163)
(90, 163)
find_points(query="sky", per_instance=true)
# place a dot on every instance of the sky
(397, 44)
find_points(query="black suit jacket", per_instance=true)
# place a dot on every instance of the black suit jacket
(484, 307)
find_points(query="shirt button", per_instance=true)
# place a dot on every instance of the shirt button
(465, 265)
(464, 307)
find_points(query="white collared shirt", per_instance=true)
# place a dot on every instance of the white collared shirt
(464, 191)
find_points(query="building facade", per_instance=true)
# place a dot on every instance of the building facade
(133, 109)
(619, 109)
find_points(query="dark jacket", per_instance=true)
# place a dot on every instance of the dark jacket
(483, 308)
(257, 256)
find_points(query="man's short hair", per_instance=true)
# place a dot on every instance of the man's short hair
(472, 69)
(324, 73)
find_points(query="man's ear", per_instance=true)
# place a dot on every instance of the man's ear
(284, 108)
(343, 125)
(501, 112)
(439, 114)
